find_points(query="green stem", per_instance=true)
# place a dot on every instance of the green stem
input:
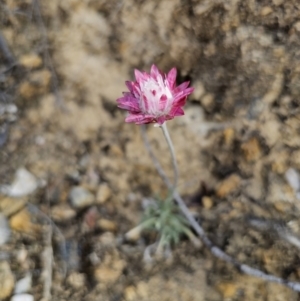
(172, 151)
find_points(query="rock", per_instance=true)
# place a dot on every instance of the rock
(36, 84)
(10, 206)
(280, 160)
(297, 26)
(81, 197)
(30, 61)
(227, 289)
(22, 297)
(107, 239)
(228, 186)
(134, 234)
(270, 131)
(103, 193)
(90, 218)
(266, 10)
(110, 270)
(4, 230)
(251, 149)
(228, 136)
(293, 178)
(282, 206)
(76, 280)
(199, 90)
(21, 222)
(208, 101)
(22, 257)
(275, 89)
(277, 2)
(62, 212)
(107, 225)
(207, 202)
(130, 293)
(295, 159)
(23, 285)
(7, 280)
(24, 183)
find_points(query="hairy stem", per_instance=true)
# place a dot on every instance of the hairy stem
(172, 151)
(215, 250)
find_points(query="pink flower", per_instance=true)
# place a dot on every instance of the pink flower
(154, 97)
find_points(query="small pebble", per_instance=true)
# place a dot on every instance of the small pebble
(134, 234)
(81, 197)
(199, 90)
(292, 177)
(107, 239)
(208, 101)
(76, 280)
(277, 2)
(109, 271)
(103, 193)
(9, 206)
(90, 218)
(227, 289)
(23, 285)
(30, 61)
(22, 297)
(207, 202)
(22, 222)
(266, 10)
(24, 183)
(107, 225)
(228, 185)
(7, 280)
(251, 149)
(62, 212)
(229, 136)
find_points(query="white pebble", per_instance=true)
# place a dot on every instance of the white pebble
(23, 285)
(292, 178)
(23, 184)
(22, 297)
(80, 197)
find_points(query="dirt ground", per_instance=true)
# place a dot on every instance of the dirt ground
(68, 158)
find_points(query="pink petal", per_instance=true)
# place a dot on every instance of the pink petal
(129, 107)
(181, 102)
(129, 103)
(176, 111)
(179, 112)
(182, 94)
(163, 102)
(127, 98)
(136, 91)
(129, 85)
(154, 72)
(146, 120)
(161, 120)
(139, 118)
(138, 75)
(171, 77)
(145, 102)
(181, 87)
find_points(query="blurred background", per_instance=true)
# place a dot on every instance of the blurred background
(74, 177)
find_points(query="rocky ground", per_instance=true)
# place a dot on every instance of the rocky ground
(74, 176)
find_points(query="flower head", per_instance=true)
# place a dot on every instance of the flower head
(154, 97)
